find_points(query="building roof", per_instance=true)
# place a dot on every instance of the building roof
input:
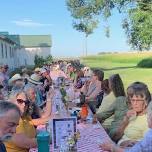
(5, 38)
(32, 40)
(28, 40)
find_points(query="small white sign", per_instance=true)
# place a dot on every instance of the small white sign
(62, 129)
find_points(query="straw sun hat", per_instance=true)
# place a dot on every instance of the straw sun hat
(35, 79)
(37, 69)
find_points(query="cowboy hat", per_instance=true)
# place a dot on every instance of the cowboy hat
(15, 78)
(35, 79)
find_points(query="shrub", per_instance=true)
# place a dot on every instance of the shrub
(39, 61)
(49, 59)
(145, 63)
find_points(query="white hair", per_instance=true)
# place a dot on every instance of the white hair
(149, 109)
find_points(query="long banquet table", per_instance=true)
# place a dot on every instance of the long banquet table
(90, 137)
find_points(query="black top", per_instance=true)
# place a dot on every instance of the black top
(2, 147)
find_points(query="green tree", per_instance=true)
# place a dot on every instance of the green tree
(39, 61)
(137, 23)
(49, 59)
(84, 21)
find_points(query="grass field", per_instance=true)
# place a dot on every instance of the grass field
(124, 64)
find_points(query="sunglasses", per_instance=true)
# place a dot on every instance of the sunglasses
(20, 101)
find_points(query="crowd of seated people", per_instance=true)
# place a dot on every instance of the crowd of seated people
(122, 113)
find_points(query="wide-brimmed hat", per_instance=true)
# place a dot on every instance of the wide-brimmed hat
(37, 69)
(35, 79)
(43, 70)
(15, 78)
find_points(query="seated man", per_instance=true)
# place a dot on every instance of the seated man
(9, 119)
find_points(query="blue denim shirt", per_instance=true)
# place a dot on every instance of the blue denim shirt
(144, 145)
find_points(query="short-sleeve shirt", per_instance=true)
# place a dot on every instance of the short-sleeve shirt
(25, 127)
(136, 129)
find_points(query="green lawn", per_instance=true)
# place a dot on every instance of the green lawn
(124, 64)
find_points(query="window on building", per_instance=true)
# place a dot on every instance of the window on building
(10, 50)
(2, 50)
(5, 50)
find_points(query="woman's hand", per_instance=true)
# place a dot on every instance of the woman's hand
(50, 94)
(128, 143)
(95, 120)
(107, 146)
(110, 146)
(131, 113)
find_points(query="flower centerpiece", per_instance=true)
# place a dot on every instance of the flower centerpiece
(72, 142)
(64, 96)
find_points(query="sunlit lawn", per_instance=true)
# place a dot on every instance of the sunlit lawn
(124, 64)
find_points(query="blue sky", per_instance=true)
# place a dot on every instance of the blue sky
(52, 17)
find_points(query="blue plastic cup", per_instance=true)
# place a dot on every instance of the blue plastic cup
(43, 141)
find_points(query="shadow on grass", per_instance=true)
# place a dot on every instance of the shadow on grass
(115, 68)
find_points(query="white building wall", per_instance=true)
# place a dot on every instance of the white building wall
(25, 56)
(8, 55)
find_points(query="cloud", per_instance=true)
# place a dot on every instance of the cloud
(29, 23)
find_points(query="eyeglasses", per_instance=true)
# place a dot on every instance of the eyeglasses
(20, 101)
(138, 100)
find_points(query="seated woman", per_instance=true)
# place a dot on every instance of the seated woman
(134, 124)
(92, 88)
(142, 146)
(71, 72)
(24, 138)
(78, 82)
(39, 117)
(117, 108)
(87, 71)
(105, 90)
(1, 93)
(105, 87)
(57, 72)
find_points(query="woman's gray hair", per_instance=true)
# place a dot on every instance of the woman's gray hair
(139, 89)
(149, 109)
(6, 106)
